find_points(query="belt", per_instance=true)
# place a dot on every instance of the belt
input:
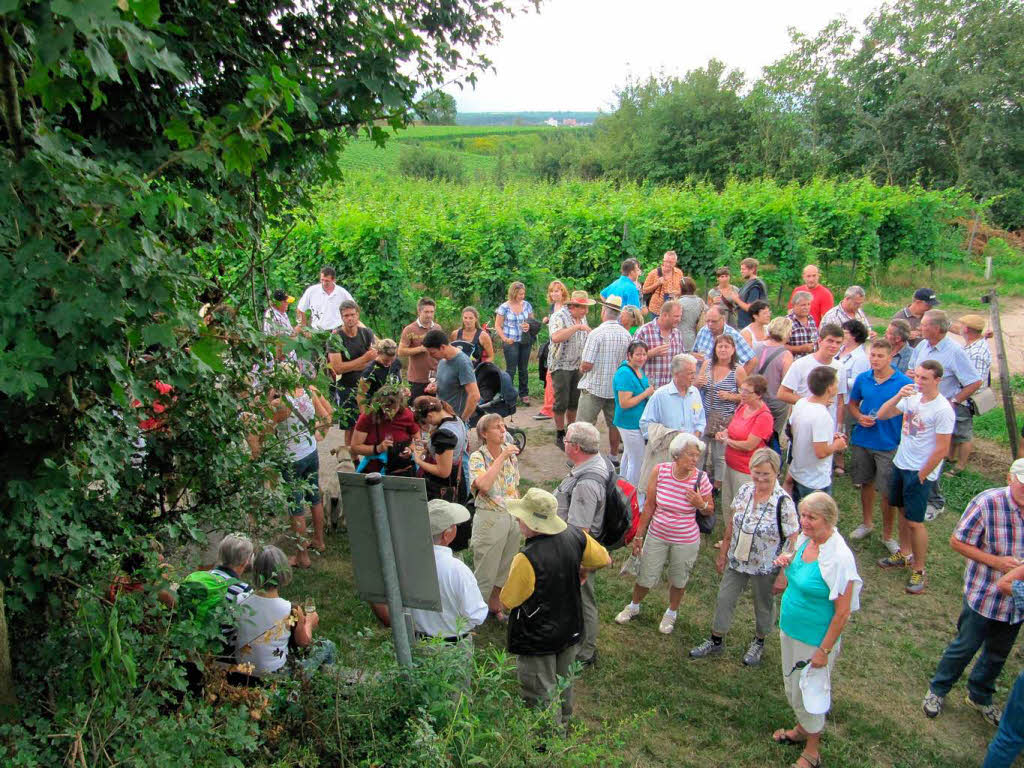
(452, 639)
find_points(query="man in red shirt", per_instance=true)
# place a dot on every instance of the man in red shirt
(821, 297)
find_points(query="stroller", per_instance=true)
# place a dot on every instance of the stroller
(497, 395)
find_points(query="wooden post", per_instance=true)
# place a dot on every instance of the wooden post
(974, 231)
(1004, 373)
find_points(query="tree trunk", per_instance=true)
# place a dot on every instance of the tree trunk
(8, 699)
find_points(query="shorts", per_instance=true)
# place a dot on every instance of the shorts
(908, 493)
(305, 471)
(591, 405)
(345, 402)
(801, 491)
(567, 390)
(870, 464)
(963, 430)
(681, 558)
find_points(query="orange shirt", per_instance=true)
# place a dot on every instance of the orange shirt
(671, 287)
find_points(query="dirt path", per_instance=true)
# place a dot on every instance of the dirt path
(1011, 316)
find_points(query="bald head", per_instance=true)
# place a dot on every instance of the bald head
(811, 276)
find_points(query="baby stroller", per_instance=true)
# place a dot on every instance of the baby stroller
(497, 395)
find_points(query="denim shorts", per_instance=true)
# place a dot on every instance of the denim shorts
(306, 472)
(800, 491)
(908, 493)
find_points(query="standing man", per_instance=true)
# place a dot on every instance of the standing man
(357, 352)
(849, 308)
(821, 297)
(581, 499)
(320, 306)
(456, 382)
(664, 341)
(410, 345)
(569, 329)
(815, 440)
(544, 596)
(715, 326)
(604, 350)
(753, 290)
(960, 380)
(805, 331)
(663, 283)
(875, 440)
(678, 404)
(1008, 742)
(898, 335)
(913, 313)
(794, 384)
(927, 428)
(625, 287)
(275, 319)
(973, 329)
(991, 536)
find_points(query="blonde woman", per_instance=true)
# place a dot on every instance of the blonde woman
(558, 297)
(510, 321)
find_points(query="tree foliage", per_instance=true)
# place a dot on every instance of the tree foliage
(437, 108)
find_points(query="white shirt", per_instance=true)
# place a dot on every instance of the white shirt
(850, 367)
(462, 607)
(298, 432)
(796, 377)
(811, 423)
(276, 323)
(921, 423)
(323, 307)
(263, 632)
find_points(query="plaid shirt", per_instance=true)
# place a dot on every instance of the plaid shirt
(979, 354)
(803, 334)
(606, 349)
(838, 315)
(705, 344)
(565, 355)
(659, 369)
(995, 524)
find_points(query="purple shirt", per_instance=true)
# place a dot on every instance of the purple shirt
(993, 523)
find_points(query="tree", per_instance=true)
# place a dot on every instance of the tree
(437, 108)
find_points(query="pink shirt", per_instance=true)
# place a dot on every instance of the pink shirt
(821, 300)
(760, 423)
(674, 518)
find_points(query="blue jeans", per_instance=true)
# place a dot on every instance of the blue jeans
(800, 491)
(517, 357)
(974, 631)
(1009, 739)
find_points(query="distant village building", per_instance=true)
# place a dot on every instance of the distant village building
(570, 121)
(552, 122)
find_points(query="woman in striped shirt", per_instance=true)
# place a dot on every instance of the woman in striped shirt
(719, 383)
(676, 494)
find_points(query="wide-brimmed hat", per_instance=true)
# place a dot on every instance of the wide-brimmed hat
(1017, 470)
(581, 298)
(539, 510)
(926, 295)
(444, 514)
(612, 302)
(974, 322)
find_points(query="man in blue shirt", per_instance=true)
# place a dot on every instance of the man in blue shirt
(874, 441)
(677, 405)
(625, 287)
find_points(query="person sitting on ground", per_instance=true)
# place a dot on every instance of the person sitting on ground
(441, 462)
(471, 338)
(383, 435)
(456, 381)
(757, 330)
(385, 368)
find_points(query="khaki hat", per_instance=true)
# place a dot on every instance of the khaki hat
(444, 514)
(1017, 470)
(581, 298)
(538, 509)
(612, 302)
(974, 322)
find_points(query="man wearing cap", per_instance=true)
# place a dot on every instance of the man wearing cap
(664, 341)
(377, 373)
(913, 313)
(972, 327)
(353, 343)
(602, 354)
(320, 305)
(569, 329)
(821, 297)
(849, 308)
(991, 536)
(544, 596)
(664, 282)
(275, 319)
(625, 287)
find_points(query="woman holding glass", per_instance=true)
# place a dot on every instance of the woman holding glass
(749, 429)
(719, 384)
(510, 321)
(632, 390)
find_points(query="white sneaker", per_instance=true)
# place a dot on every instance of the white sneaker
(626, 614)
(668, 623)
(860, 532)
(931, 512)
(892, 545)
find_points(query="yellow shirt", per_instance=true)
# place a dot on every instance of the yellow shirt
(522, 581)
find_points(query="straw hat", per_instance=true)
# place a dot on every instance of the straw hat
(538, 509)
(581, 298)
(974, 322)
(612, 302)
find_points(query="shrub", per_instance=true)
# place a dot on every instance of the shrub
(432, 165)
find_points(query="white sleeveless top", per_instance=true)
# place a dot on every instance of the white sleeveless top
(263, 632)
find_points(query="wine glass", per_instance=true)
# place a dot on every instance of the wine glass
(309, 605)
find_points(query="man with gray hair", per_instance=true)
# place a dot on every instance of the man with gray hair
(849, 308)
(602, 354)
(678, 404)
(714, 327)
(581, 500)
(898, 335)
(803, 336)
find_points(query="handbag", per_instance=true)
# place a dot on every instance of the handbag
(705, 523)
(982, 401)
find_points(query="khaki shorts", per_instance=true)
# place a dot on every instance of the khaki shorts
(567, 390)
(681, 558)
(591, 405)
(870, 465)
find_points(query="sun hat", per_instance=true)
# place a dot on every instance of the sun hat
(581, 298)
(612, 302)
(1017, 470)
(926, 295)
(444, 514)
(539, 510)
(974, 322)
(816, 689)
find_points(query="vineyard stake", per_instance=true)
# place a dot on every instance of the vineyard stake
(1004, 371)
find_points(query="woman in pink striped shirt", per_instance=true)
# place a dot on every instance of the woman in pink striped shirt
(676, 494)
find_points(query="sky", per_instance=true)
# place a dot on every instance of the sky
(575, 53)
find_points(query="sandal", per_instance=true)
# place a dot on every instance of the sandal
(807, 761)
(782, 736)
(839, 472)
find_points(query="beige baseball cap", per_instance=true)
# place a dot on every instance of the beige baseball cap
(444, 514)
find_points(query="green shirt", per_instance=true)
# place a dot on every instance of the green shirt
(807, 610)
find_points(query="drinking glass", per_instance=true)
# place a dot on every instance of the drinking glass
(309, 605)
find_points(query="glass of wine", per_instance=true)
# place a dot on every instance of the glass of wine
(309, 605)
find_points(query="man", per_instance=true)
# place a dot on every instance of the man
(849, 308)
(625, 287)
(663, 283)
(875, 440)
(794, 384)
(677, 405)
(320, 305)
(960, 380)
(1008, 742)
(410, 345)
(664, 341)
(927, 427)
(377, 373)
(821, 297)
(357, 352)
(898, 335)
(753, 290)
(815, 439)
(972, 327)
(456, 382)
(805, 331)
(913, 313)
(581, 499)
(991, 536)
(544, 596)
(715, 326)
(569, 329)
(275, 319)
(603, 352)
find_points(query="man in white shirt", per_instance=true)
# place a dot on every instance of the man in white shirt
(928, 422)
(794, 383)
(320, 305)
(602, 354)
(815, 439)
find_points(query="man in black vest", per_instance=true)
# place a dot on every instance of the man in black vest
(542, 594)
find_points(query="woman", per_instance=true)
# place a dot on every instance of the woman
(676, 493)
(269, 625)
(632, 390)
(558, 296)
(762, 517)
(383, 435)
(772, 360)
(761, 312)
(750, 429)
(693, 312)
(719, 384)
(853, 361)
(441, 462)
(494, 476)
(821, 589)
(475, 341)
(510, 321)
(722, 293)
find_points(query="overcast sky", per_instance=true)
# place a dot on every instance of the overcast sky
(575, 53)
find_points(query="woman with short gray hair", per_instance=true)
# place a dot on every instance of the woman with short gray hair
(676, 494)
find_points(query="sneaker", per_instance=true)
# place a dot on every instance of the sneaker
(626, 614)
(591, 662)
(860, 532)
(892, 545)
(990, 712)
(668, 623)
(541, 416)
(915, 584)
(753, 655)
(707, 648)
(931, 512)
(933, 704)
(895, 560)
(560, 442)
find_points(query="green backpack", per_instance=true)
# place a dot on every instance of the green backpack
(203, 591)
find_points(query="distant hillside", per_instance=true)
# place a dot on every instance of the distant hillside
(521, 118)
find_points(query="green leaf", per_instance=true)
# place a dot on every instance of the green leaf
(180, 133)
(146, 11)
(159, 333)
(208, 350)
(101, 60)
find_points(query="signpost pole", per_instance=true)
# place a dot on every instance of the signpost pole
(399, 630)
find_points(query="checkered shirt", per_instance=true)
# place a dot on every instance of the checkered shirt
(606, 349)
(565, 355)
(705, 344)
(803, 334)
(979, 354)
(995, 524)
(659, 369)
(838, 315)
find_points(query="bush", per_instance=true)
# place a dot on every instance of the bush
(429, 164)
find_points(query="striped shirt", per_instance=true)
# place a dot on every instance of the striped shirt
(511, 322)
(674, 516)
(659, 369)
(719, 410)
(605, 350)
(995, 524)
(802, 333)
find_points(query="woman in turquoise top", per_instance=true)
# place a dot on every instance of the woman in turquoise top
(822, 588)
(632, 389)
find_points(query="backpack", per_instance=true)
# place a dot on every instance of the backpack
(201, 592)
(621, 508)
(648, 296)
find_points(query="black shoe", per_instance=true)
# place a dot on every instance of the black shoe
(616, 461)
(591, 662)
(560, 442)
